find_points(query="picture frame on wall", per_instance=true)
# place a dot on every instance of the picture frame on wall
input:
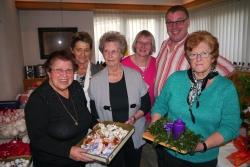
(53, 39)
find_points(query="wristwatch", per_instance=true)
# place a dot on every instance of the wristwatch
(204, 146)
(134, 118)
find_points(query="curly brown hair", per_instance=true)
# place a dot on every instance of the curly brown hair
(202, 36)
(59, 55)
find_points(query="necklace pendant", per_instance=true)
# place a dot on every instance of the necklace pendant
(76, 123)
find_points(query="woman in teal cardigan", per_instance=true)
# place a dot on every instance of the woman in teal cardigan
(205, 101)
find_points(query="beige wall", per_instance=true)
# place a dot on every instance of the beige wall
(31, 20)
(11, 53)
(19, 44)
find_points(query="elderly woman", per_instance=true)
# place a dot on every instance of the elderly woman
(206, 102)
(142, 61)
(119, 94)
(81, 48)
(57, 117)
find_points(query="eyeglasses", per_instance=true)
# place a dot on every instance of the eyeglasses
(178, 22)
(113, 52)
(143, 43)
(202, 54)
(61, 71)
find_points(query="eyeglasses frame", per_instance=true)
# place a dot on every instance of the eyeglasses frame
(202, 53)
(147, 44)
(61, 71)
(113, 52)
(176, 22)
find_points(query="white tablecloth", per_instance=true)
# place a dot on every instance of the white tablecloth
(228, 149)
(224, 152)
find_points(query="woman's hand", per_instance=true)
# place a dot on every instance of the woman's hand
(199, 147)
(130, 121)
(135, 117)
(75, 154)
(96, 125)
(151, 123)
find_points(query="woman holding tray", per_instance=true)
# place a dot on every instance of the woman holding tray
(119, 94)
(205, 101)
(57, 116)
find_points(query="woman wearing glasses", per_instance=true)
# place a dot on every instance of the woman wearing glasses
(206, 102)
(119, 94)
(57, 117)
(81, 48)
(142, 61)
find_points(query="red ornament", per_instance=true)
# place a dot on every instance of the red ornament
(14, 148)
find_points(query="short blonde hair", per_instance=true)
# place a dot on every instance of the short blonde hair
(146, 34)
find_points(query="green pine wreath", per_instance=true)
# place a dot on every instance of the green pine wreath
(186, 142)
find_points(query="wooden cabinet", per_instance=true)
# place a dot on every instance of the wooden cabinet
(27, 82)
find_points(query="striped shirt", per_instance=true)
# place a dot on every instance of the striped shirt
(168, 62)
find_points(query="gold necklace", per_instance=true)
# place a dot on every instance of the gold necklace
(76, 120)
(142, 68)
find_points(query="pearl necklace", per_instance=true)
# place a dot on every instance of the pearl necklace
(142, 68)
(76, 120)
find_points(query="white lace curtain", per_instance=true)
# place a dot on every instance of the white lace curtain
(128, 24)
(228, 22)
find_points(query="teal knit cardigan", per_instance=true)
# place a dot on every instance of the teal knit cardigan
(218, 111)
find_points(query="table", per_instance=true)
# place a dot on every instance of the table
(228, 149)
(225, 151)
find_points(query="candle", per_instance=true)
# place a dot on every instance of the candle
(168, 126)
(179, 128)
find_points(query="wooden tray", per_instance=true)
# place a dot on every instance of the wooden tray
(9, 159)
(107, 160)
(147, 135)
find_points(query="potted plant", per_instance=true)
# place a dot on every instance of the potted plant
(243, 90)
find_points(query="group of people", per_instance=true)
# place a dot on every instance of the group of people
(185, 80)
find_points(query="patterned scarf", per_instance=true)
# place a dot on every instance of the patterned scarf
(81, 80)
(197, 87)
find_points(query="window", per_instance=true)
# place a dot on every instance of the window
(129, 24)
(228, 22)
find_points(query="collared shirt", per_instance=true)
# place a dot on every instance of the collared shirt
(168, 62)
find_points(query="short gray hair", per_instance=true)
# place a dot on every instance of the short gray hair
(113, 36)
